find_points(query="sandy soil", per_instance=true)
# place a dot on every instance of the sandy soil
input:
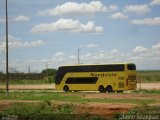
(147, 86)
(123, 96)
(30, 87)
(105, 110)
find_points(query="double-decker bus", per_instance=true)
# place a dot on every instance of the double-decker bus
(97, 77)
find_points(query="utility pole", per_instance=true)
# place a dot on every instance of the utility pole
(29, 69)
(78, 56)
(7, 80)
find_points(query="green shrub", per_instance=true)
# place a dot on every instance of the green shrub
(143, 112)
(39, 111)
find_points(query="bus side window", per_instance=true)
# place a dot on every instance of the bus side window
(131, 67)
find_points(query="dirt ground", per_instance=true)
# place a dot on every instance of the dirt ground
(123, 96)
(30, 87)
(108, 110)
(96, 108)
(147, 86)
(105, 110)
(102, 109)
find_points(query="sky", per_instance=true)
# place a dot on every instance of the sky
(48, 33)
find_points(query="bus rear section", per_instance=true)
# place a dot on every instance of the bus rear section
(131, 81)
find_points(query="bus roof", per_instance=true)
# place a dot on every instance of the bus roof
(95, 64)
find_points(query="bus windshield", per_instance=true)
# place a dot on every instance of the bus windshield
(131, 67)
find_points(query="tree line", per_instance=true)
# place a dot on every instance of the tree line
(45, 74)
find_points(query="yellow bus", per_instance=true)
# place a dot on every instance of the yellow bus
(97, 77)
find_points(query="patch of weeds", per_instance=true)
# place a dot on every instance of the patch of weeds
(153, 91)
(48, 102)
(37, 111)
(26, 108)
(2, 91)
(65, 109)
(142, 112)
(88, 116)
(97, 118)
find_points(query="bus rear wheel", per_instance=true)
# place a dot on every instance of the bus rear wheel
(101, 89)
(109, 89)
(66, 88)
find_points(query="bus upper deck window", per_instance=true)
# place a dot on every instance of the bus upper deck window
(131, 67)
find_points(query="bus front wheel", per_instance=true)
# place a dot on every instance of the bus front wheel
(66, 88)
(101, 89)
(109, 89)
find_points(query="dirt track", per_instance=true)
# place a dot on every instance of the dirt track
(147, 86)
(103, 109)
(107, 110)
(30, 87)
(124, 96)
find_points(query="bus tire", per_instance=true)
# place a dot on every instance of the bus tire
(101, 89)
(109, 89)
(66, 88)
